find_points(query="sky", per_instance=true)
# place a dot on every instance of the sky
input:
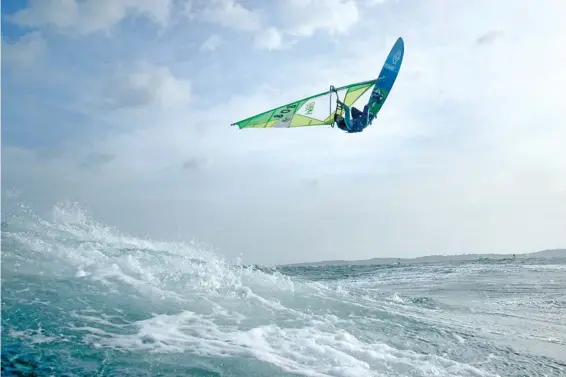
(125, 106)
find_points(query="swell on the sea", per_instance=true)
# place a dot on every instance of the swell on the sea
(80, 298)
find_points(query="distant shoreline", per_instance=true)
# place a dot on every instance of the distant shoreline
(551, 253)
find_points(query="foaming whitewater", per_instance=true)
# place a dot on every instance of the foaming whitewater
(82, 299)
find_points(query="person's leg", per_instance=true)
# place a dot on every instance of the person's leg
(339, 119)
(366, 116)
(347, 117)
(355, 112)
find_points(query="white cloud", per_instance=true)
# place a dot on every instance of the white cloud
(270, 39)
(88, 16)
(145, 84)
(230, 14)
(289, 18)
(211, 43)
(25, 51)
(304, 17)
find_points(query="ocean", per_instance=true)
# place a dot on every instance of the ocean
(82, 299)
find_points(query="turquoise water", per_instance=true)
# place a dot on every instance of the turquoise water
(80, 299)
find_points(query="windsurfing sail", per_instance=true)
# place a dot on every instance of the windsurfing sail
(316, 110)
(320, 109)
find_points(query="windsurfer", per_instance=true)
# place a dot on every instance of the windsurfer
(355, 120)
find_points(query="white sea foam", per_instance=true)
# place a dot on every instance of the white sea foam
(163, 298)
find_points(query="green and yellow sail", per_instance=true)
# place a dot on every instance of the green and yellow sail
(316, 110)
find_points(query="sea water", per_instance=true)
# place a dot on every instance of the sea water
(82, 299)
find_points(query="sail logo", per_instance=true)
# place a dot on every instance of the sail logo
(309, 108)
(390, 67)
(396, 57)
(285, 110)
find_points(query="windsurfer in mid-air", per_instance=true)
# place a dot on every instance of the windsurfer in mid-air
(355, 120)
(315, 111)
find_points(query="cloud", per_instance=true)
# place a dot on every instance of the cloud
(94, 161)
(466, 155)
(211, 43)
(25, 51)
(489, 37)
(145, 84)
(303, 18)
(295, 19)
(197, 163)
(270, 39)
(230, 14)
(89, 16)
